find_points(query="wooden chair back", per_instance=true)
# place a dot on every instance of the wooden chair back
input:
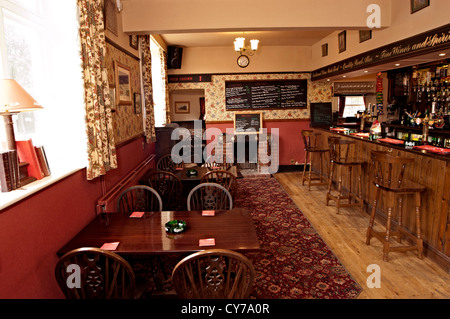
(213, 274)
(169, 163)
(221, 177)
(102, 275)
(310, 140)
(388, 171)
(209, 196)
(340, 150)
(168, 186)
(139, 198)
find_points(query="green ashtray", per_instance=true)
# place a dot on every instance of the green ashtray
(191, 172)
(175, 226)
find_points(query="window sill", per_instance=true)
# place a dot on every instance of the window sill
(12, 197)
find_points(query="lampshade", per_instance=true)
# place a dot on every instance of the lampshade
(239, 43)
(254, 44)
(14, 99)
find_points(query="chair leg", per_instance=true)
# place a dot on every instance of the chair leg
(360, 188)
(372, 216)
(418, 226)
(330, 182)
(388, 233)
(338, 201)
(400, 218)
(309, 172)
(304, 168)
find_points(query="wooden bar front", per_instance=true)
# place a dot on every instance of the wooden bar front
(432, 171)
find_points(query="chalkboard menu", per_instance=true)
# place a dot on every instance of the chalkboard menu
(321, 114)
(247, 123)
(273, 94)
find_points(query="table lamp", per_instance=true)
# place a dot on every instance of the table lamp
(13, 100)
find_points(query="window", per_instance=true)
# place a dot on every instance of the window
(158, 83)
(353, 104)
(39, 48)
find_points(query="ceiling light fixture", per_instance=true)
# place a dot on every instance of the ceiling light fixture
(239, 46)
(442, 54)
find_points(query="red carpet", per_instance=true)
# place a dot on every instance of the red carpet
(294, 262)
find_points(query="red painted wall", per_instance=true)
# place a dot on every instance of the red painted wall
(290, 141)
(32, 230)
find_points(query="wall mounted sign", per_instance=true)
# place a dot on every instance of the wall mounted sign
(423, 43)
(354, 88)
(270, 94)
(247, 122)
(189, 78)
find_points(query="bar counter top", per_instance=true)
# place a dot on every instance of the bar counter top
(429, 169)
(443, 157)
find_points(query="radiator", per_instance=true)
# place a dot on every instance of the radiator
(107, 203)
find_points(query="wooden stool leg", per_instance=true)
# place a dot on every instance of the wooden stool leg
(372, 215)
(418, 226)
(338, 202)
(310, 169)
(400, 218)
(321, 179)
(387, 237)
(360, 187)
(350, 184)
(330, 182)
(304, 168)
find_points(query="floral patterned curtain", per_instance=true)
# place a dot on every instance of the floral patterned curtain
(99, 126)
(146, 60)
(165, 80)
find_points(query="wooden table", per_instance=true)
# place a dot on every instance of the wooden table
(232, 229)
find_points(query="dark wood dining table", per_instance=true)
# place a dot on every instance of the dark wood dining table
(146, 235)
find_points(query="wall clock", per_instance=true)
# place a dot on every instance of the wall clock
(243, 61)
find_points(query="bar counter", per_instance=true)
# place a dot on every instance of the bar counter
(430, 169)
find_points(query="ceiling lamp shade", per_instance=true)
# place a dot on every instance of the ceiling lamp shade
(14, 99)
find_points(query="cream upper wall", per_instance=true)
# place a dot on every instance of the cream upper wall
(403, 25)
(214, 60)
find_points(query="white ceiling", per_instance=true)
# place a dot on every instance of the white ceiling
(266, 38)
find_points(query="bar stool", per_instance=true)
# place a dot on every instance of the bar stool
(388, 176)
(310, 141)
(342, 158)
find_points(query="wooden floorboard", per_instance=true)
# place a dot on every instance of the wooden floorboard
(404, 276)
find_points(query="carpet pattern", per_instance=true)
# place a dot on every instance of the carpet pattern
(294, 262)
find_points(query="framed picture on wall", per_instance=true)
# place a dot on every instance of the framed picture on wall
(110, 16)
(182, 107)
(365, 35)
(123, 83)
(417, 5)
(342, 38)
(324, 49)
(137, 103)
(112, 96)
(134, 43)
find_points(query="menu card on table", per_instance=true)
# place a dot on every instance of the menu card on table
(110, 246)
(137, 215)
(208, 213)
(207, 242)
